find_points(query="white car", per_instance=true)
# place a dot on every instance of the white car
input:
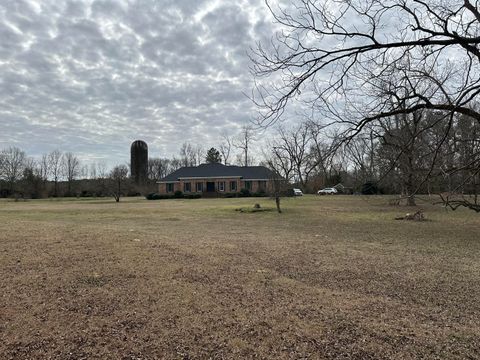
(327, 191)
(297, 192)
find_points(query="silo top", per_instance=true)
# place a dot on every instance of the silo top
(139, 144)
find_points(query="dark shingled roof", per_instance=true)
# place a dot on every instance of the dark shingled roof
(220, 170)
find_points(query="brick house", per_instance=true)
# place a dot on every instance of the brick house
(217, 179)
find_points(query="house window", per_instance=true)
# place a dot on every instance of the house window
(248, 185)
(187, 187)
(233, 186)
(199, 186)
(262, 185)
(221, 186)
(170, 187)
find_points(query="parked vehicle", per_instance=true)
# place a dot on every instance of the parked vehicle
(327, 191)
(297, 192)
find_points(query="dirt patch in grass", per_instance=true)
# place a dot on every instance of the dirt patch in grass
(330, 278)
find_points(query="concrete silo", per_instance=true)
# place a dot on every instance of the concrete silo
(139, 161)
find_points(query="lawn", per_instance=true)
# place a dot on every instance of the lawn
(332, 277)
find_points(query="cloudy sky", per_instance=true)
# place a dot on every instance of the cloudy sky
(92, 76)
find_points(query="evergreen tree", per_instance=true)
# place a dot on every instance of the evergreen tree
(213, 156)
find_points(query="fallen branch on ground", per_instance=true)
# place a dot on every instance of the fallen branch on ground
(417, 216)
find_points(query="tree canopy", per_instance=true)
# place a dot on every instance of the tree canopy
(358, 61)
(356, 65)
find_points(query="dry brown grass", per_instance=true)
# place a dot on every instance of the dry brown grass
(331, 277)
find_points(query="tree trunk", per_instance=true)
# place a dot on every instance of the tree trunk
(277, 202)
(410, 184)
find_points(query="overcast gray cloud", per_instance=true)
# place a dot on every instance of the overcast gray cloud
(91, 76)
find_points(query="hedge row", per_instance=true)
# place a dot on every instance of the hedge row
(180, 195)
(154, 196)
(245, 193)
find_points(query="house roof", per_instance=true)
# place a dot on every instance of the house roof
(219, 171)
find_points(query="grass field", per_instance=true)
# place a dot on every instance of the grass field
(332, 277)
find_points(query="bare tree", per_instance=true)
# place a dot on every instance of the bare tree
(199, 154)
(345, 71)
(44, 168)
(402, 146)
(295, 143)
(462, 171)
(2, 164)
(322, 151)
(93, 171)
(118, 177)
(102, 174)
(191, 155)
(279, 183)
(467, 148)
(279, 160)
(70, 166)
(361, 152)
(174, 164)
(32, 184)
(226, 148)
(101, 170)
(83, 172)
(243, 142)
(12, 162)
(187, 154)
(55, 166)
(158, 168)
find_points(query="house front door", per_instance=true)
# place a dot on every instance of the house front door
(210, 186)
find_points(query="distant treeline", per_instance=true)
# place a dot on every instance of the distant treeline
(408, 155)
(62, 174)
